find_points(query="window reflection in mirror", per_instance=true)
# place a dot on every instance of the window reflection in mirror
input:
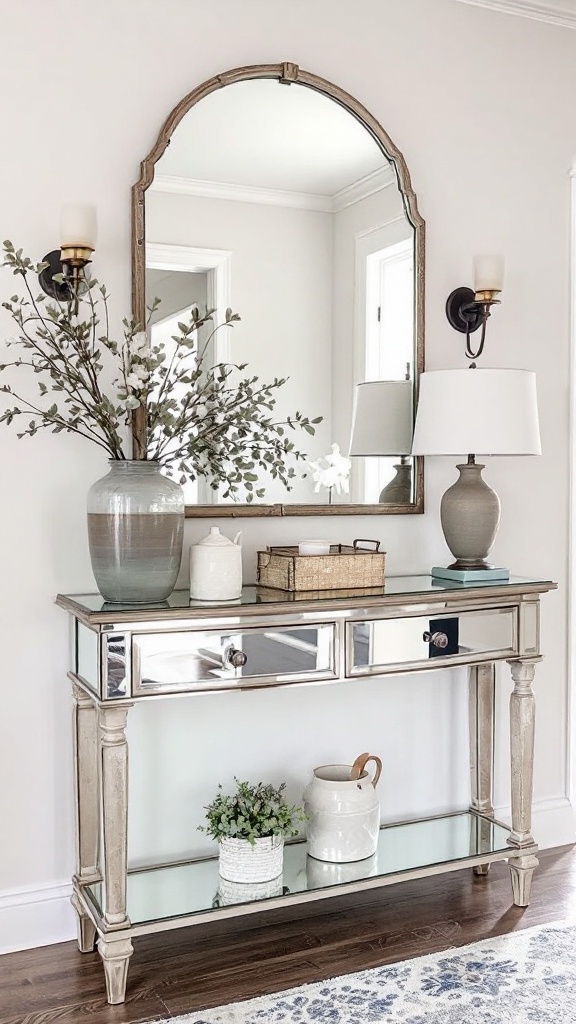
(276, 201)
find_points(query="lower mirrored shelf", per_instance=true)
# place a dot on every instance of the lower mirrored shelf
(195, 888)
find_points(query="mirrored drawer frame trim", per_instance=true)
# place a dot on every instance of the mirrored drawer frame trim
(234, 680)
(464, 657)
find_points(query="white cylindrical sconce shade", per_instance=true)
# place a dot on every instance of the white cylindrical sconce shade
(477, 412)
(78, 225)
(488, 273)
(382, 419)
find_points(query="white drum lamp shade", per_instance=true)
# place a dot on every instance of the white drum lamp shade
(475, 412)
(382, 420)
(382, 425)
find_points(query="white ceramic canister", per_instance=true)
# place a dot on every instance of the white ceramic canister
(216, 568)
(343, 811)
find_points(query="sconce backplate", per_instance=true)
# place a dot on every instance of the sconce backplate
(463, 312)
(57, 289)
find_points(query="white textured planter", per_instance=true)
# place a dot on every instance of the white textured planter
(248, 892)
(242, 862)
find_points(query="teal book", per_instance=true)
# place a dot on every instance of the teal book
(470, 575)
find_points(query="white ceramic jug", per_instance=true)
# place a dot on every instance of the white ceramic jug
(216, 568)
(343, 811)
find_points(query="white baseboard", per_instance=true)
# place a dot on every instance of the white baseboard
(36, 917)
(39, 917)
(553, 822)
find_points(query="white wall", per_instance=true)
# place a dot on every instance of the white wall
(489, 137)
(281, 285)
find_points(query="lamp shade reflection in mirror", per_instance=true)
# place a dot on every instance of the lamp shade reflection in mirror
(280, 197)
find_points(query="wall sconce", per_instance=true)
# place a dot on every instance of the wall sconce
(78, 227)
(468, 310)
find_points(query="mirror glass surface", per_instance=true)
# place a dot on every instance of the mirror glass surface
(275, 200)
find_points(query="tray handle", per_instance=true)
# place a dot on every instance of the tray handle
(363, 540)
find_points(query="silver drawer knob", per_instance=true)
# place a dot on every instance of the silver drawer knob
(436, 639)
(235, 657)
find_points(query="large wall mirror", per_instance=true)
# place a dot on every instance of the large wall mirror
(276, 194)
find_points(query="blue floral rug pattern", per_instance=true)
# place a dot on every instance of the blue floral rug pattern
(526, 977)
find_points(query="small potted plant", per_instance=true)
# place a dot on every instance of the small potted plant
(250, 827)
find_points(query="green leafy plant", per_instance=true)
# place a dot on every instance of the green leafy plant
(202, 420)
(252, 812)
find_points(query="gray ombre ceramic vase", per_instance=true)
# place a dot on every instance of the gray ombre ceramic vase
(135, 532)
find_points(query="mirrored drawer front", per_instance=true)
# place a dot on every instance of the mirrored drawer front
(210, 660)
(385, 644)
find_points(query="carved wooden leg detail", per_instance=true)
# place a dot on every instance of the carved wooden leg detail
(521, 871)
(85, 722)
(481, 719)
(86, 929)
(522, 709)
(114, 811)
(115, 955)
(522, 752)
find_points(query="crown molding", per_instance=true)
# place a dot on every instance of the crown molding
(241, 193)
(360, 189)
(364, 187)
(555, 13)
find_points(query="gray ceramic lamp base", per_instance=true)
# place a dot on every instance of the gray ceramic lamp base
(470, 513)
(399, 490)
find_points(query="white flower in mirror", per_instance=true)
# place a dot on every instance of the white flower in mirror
(332, 471)
(140, 343)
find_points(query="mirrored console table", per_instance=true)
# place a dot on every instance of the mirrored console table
(124, 654)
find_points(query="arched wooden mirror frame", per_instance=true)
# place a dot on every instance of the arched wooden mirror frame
(287, 73)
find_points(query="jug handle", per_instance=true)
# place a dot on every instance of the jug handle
(360, 764)
(237, 538)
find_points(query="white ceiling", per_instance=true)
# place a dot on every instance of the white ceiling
(272, 136)
(557, 12)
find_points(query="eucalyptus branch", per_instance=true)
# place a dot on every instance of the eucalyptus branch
(34, 304)
(198, 356)
(50, 419)
(203, 419)
(72, 382)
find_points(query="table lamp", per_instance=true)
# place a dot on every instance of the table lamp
(474, 412)
(382, 425)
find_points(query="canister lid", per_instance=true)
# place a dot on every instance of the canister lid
(216, 539)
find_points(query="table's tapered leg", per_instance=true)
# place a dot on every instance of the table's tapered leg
(85, 733)
(522, 709)
(481, 718)
(521, 871)
(85, 927)
(115, 953)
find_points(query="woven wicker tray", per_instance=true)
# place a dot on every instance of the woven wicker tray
(348, 567)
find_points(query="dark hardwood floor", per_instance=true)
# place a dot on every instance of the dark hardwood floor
(181, 971)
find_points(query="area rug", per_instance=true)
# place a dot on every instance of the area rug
(527, 977)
